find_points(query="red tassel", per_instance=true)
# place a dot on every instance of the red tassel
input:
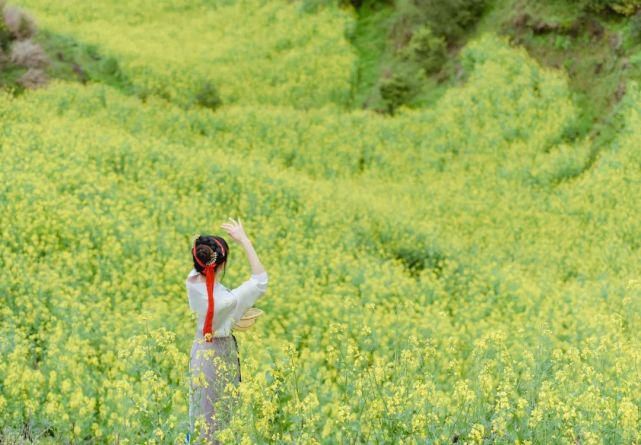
(209, 318)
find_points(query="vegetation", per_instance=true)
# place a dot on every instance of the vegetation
(22, 61)
(460, 268)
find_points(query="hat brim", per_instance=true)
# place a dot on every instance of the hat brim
(252, 313)
(248, 319)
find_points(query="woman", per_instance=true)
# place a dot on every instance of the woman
(214, 360)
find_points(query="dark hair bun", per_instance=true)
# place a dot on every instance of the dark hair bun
(208, 246)
(204, 253)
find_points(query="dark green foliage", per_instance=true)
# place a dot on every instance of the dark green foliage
(395, 90)
(413, 75)
(419, 257)
(109, 66)
(635, 27)
(72, 60)
(412, 39)
(5, 35)
(398, 86)
(357, 4)
(625, 7)
(449, 19)
(208, 96)
(426, 50)
(369, 38)
(311, 6)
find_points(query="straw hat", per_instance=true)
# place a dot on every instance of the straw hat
(248, 319)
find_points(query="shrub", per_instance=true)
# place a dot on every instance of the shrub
(20, 24)
(110, 66)
(635, 26)
(426, 49)
(419, 35)
(33, 78)
(28, 54)
(208, 96)
(397, 88)
(448, 19)
(5, 34)
(624, 7)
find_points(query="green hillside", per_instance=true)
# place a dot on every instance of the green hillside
(445, 201)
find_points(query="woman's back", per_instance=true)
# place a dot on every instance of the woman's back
(230, 304)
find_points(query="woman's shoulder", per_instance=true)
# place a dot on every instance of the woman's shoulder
(223, 287)
(192, 277)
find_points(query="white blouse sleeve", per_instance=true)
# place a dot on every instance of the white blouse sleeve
(247, 293)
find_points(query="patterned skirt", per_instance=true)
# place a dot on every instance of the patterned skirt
(215, 375)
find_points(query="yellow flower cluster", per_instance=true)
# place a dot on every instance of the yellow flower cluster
(253, 51)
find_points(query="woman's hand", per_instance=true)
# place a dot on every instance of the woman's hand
(235, 230)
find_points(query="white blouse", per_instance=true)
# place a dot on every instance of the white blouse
(229, 304)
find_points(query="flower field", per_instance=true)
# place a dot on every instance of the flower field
(464, 273)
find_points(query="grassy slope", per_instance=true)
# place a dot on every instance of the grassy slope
(369, 40)
(600, 53)
(70, 60)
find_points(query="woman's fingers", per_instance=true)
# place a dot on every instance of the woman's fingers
(233, 225)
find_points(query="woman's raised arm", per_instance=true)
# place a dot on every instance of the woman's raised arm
(237, 232)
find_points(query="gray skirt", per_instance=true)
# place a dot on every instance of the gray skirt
(214, 370)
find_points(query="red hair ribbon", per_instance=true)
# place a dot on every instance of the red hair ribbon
(210, 274)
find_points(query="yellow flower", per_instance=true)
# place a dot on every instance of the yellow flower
(477, 433)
